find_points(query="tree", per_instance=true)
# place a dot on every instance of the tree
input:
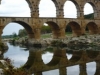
(46, 29)
(14, 35)
(22, 32)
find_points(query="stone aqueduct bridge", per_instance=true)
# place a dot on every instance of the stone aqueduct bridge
(58, 24)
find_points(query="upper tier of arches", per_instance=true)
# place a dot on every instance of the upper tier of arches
(58, 8)
(60, 4)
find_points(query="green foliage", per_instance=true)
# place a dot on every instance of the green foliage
(22, 32)
(46, 35)
(14, 35)
(7, 36)
(46, 29)
(68, 29)
(89, 16)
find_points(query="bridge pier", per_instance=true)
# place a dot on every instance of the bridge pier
(82, 30)
(97, 68)
(59, 34)
(60, 13)
(63, 62)
(62, 71)
(36, 66)
(77, 33)
(81, 14)
(39, 73)
(83, 69)
(37, 33)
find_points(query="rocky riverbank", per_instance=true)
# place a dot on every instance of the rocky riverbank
(83, 42)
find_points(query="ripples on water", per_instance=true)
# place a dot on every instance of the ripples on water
(20, 56)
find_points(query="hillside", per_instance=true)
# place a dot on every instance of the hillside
(89, 16)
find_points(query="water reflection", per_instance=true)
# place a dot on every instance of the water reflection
(60, 61)
(17, 55)
(57, 61)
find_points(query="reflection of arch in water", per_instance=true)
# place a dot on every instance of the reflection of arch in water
(92, 54)
(97, 72)
(56, 58)
(76, 56)
(35, 63)
(31, 59)
(82, 68)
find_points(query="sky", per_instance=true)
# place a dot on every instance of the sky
(20, 8)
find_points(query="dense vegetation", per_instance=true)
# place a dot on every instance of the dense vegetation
(89, 16)
(21, 33)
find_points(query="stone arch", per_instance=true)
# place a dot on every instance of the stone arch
(77, 7)
(56, 34)
(92, 28)
(94, 8)
(26, 26)
(75, 27)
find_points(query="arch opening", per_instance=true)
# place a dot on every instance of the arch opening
(92, 28)
(68, 12)
(54, 30)
(46, 31)
(56, 57)
(76, 56)
(73, 28)
(14, 8)
(16, 27)
(49, 10)
(92, 54)
(89, 10)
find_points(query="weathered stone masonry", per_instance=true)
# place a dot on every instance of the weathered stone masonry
(58, 24)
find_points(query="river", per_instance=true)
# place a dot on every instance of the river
(19, 57)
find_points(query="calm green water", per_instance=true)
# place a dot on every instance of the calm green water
(19, 56)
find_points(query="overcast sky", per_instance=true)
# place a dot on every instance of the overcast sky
(21, 9)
